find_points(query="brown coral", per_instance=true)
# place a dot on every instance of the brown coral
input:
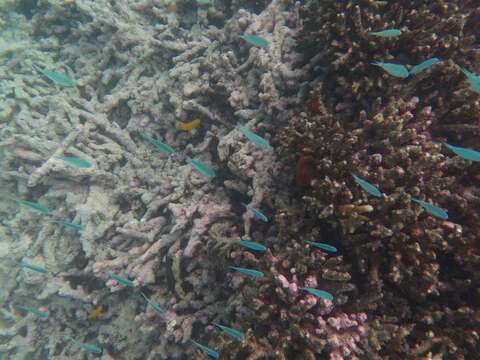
(412, 268)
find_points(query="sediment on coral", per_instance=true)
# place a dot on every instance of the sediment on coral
(139, 70)
(154, 227)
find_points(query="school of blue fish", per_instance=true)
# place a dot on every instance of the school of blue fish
(396, 70)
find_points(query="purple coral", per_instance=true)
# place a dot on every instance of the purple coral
(344, 333)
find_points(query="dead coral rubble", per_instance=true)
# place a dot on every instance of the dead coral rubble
(140, 69)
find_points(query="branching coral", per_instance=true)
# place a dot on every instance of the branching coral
(389, 131)
(284, 322)
(404, 283)
(146, 216)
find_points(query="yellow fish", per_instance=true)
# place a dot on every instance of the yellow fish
(96, 312)
(187, 126)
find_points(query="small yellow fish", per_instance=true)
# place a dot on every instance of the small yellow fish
(188, 126)
(97, 311)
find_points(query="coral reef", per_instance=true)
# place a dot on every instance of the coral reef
(287, 323)
(404, 283)
(416, 272)
(146, 216)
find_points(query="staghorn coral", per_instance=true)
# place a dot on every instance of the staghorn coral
(282, 321)
(412, 268)
(146, 216)
(147, 66)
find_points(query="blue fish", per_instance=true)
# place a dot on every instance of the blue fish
(255, 40)
(206, 350)
(249, 272)
(121, 279)
(37, 268)
(34, 311)
(386, 33)
(201, 167)
(33, 205)
(365, 185)
(473, 79)
(396, 70)
(72, 160)
(57, 77)
(76, 227)
(158, 309)
(432, 209)
(424, 65)
(232, 332)
(258, 214)
(465, 153)
(87, 347)
(323, 246)
(254, 138)
(251, 245)
(205, 2)
(162, 147)
(319, 293)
